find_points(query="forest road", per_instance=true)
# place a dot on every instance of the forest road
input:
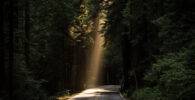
(106, 92)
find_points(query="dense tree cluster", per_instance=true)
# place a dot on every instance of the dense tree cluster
(38, 57)
(156, 40)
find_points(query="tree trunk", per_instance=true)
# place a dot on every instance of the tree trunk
(125, 53)
(2, 48)
(27, 33)
(11, 48)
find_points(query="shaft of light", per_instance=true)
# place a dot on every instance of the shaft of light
(94, 67)
(95, 62)
(93, 73)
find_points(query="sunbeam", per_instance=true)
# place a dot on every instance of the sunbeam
(94, 65)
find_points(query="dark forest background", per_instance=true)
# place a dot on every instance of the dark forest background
(45, 44)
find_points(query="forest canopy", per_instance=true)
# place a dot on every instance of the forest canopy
(50, 48)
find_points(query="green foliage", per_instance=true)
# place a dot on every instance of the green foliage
(171, 75)
(147, 94)
(81, 29)
(173, 32)
(51, 45)
(164, 29)
(168, 64)
(25, 86)
(113, 56)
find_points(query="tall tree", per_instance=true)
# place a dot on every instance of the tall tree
(11, 47)
(27, 32)
(2, 49)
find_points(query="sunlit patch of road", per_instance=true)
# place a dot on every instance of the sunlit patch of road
(107, 92)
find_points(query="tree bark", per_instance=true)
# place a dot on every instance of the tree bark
(125, 54)
(2, 48)
(11, 48)
(27, 33)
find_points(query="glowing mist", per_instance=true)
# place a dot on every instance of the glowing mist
(95, 62)
(94, 68)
